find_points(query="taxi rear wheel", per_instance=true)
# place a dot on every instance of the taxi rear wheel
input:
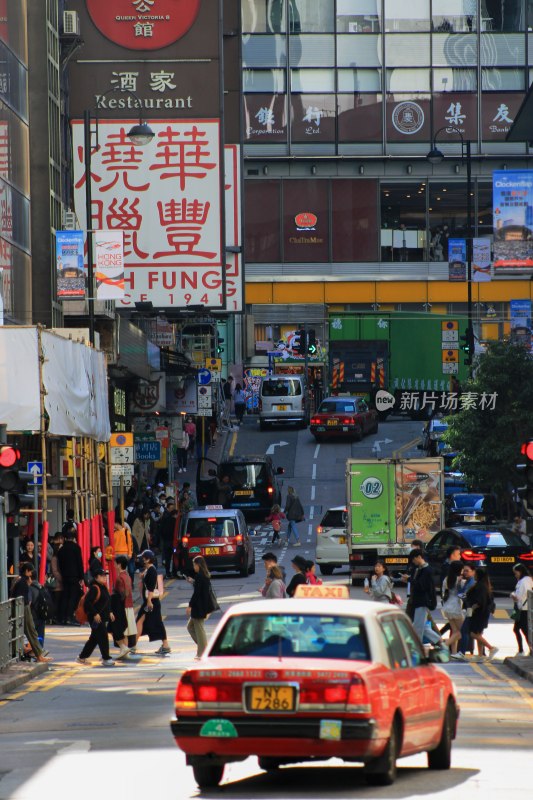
(244, 570)
(441, 757)
(382, 770)
(207, 776)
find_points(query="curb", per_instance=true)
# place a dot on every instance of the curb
(20, 673)
(522, 666)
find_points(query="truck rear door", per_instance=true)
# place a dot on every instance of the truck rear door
(371, 511)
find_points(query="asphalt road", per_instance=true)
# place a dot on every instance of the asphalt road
(80, 732)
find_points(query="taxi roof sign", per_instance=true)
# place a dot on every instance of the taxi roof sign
(214, 508)
(327, 591)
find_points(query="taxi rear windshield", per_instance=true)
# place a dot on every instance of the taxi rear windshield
(300, 635)
(219, 528)
(337, 407)
(244, 476)
(495, 539)
(282, 388)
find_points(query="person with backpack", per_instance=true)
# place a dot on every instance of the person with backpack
(424, 598)
(69, 522)
(97, 604)
(295, 513)
(275, 517)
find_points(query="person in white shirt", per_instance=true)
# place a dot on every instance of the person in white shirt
(523, 586)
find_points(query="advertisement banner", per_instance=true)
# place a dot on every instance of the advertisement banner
(372, 501)
(481, 260)
(520, 312)
(512, 197)
(166, 199)
(457, 259)
(109, 264)
(70, 269)
(418, 500)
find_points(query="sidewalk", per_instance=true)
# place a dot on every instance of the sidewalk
(522, 665)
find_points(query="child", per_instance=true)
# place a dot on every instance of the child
(310, 574)
(275, 517)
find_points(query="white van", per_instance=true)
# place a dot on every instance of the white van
(283, 398)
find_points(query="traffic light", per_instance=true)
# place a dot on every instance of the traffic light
(467, 346)
(311, 341)
(13, 481)
(219, 348)
(527, 451)
(298, 342)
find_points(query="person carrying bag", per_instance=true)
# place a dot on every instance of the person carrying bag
(202, 603)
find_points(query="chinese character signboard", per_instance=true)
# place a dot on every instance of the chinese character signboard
(109, 264)
(498, 112)
(166, 199)
(265, 118)
(70, 269)
(143, 24)
(512, 197)
(455, 112)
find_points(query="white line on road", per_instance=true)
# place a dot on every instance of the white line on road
(317, 450)
(309, 530)
(313, 492)
(311, 512)
(314, 472)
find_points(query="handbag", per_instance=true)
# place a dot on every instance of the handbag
(515, 613)
(212, 603)
(50, 582)
(159, 591)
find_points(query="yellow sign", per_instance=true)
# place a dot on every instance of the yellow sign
(450, 325)
(450, 356)
(121, 440)
(213, 364)
(326, 591)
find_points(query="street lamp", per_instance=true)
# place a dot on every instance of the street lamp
(140, 134)
(435, 156)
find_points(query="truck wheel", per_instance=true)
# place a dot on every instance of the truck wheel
(207, 776)
(326, 569)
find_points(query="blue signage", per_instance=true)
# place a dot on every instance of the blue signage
(150, 450)
(512, 198)
(36, 469)
(457, 259)
(203, 377)
(70, 267)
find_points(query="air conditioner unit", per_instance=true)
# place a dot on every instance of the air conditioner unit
(69, 221)
(71, 23)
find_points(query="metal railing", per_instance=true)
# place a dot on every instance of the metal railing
(11, 631)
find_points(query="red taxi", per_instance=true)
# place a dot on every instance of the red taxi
(314, 678)
(348, 417)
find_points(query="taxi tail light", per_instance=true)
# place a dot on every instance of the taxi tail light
(357, 694)
(219, 693)
(469, 555)
(238, 538)
(527, 556)
(348, 421)
(315, 421)
(185, 541)
(270, 489)
(185, 694)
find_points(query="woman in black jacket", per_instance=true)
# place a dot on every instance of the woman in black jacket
(479, 603)
(97, 606)
(200, 604)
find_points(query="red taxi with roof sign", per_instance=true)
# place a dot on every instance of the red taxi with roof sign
(347, 417)
(312, 678)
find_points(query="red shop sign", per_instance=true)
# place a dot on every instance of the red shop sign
(143, 24)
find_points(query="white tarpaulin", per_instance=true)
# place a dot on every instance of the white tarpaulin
(76, 388)
(19, 379)
(74, 378)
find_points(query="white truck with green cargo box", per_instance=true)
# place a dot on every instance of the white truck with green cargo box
(390, 503)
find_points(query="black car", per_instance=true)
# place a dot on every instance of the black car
(432, 434)
(495, 547)
(248, 483)
(463, 508)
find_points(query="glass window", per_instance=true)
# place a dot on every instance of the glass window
(394, 644)
(336, 407)
(264, 80)
(313, 118)
(411, 16)
(314, 17)
(484, 210)
(312, 51)
(414, 648)
(407, 51)
(13, 29)
(215, 527)
(359, 80)
(263, 16)
(312, 80)
(281, 387)
(447, 213)
(403, 222)
(243, 475)
(454, 80)
(264, 51)
(365, 51)
(502, 16)
(408, 80)
(355, 220)
(265, 118)
(360, 117)
(358, 16)
(262, 203)
(304, 635)
(495, 80)
(454, 50)
(503, 49)
(334, 518)
(459, 16)
(504, 538)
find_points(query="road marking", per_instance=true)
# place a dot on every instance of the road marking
(312, 492)
(314, 472)
(396, 453)
(309, 530)
(317, 450)
(311, 512)
(272, 447)
(233, 443)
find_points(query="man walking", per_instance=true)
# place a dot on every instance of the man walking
(70, 565)
(424, 598)
(97, 606)
(21, 588)
(166, 529)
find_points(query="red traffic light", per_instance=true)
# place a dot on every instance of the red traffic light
(527, 449)
(9, 455)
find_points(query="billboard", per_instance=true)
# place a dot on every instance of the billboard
(481, 260)
(513, 218)
(70, 266)
(166, 200)
(109, 264)
(457, 259)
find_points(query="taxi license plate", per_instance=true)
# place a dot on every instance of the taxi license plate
(246, 492)
(502, 559)
(271, 698)
(212, 551)
(281, 408)
(396, 561)
(333, 421)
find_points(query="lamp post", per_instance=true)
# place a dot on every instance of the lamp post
(435, 156)
(140, 134)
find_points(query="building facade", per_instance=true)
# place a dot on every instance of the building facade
(342, 100)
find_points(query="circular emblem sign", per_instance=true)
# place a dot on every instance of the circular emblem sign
(372, 488)
(306, 219)
(143, 24)
(408, 117)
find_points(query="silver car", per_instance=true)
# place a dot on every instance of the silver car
(283, 399)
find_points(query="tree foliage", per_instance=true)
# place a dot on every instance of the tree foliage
(488, 439)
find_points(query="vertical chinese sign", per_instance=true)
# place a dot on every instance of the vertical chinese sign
(165, 198)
